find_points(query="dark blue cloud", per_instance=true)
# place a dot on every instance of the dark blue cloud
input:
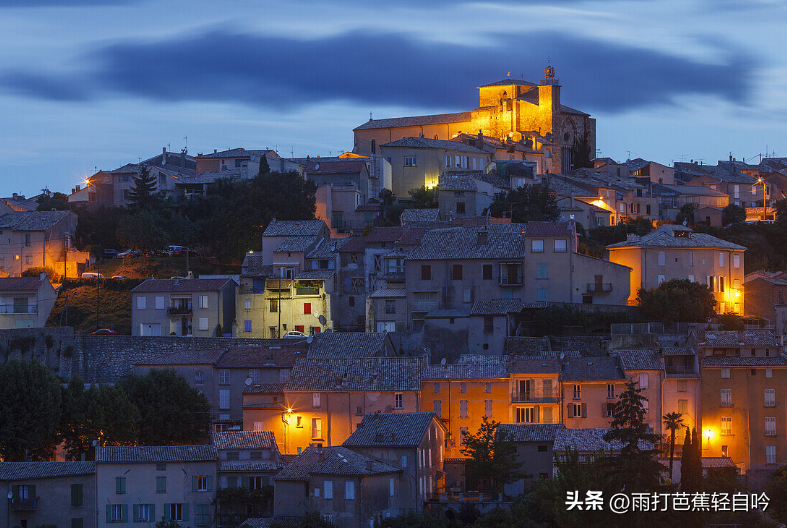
(388, 69)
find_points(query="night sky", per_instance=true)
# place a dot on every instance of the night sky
(89, 83)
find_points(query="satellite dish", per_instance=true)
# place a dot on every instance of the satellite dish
(94, 443)
(309, 339)
(10, 495)
(562, 355)
(442, 362)
(247, 381)
(322, 320)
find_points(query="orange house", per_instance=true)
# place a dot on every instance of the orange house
(535, 391)
(591, 386)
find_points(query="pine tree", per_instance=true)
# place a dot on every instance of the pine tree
(264, 167)
(143, 195)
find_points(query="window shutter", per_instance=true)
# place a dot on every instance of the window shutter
(32, 492)
(537, 414)
(124, 512)
(584, 410)
(604, 409)
(210, 482)
(194, 483)
(135, 513)
(15, 491)
(185, 511)
(245, 482)
(74, 495)
(109, 513)
(152, 508)
(569, 410)
(167, 512)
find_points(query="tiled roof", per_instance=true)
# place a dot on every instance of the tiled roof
(530, 432)
(747, 338)
(717, 462)
(482, 359)
(294, 228)
(493, 179)
(456, 182)
(240, 440)
(295, 243)
(527, 346)
(185, 357)
(496, 307)
(42, 470)
(678, 351)
(391, 430)
(254, 266)
(327, 248)
(508, 82)
(332, 461)
(235, 153)
(502, 242)
(152, 454)
(744, 361)
(230, 466)
(32, 221)
(434, 119)
(279, 353)
(357, 374)
(443, 313)
(318, 166)
(181, 285)
(465, 371)
(315, 274)
(663, 237)
(549, 229)
(267, 522)
(534, 366)
(264, 388)
(640, 360)
(8, 284)
(348, 344)
(591, 369)
(588, 440)
(388, 293)
(384, 234)
(568, 110)
(410, 216)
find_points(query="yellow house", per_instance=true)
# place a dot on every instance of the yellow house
(534, 390)
(677, 252)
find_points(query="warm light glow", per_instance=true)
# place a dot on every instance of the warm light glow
(737, 293)
(251, 252)
(289, 409)
(708, 433)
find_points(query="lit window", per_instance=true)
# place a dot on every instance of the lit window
(726, 425)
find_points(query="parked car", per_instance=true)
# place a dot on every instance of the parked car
(110, 253)
(174, 251)
(129, 253)
(91, 275)
(104, 331)
(294, 334)
(119, 277)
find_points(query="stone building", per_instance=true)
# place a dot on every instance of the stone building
(510, 109)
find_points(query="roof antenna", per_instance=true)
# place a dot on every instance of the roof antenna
(370, 116)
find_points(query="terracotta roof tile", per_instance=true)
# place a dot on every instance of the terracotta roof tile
(391, 430)
(433, 119)
(294, 228)
(240, 440)
(181, 285)
(530, 432)
(378, 374)
(42, 470)
(153, 454)
(332, 461)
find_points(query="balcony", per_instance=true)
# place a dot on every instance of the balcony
(19, 309)
(23, 505)
(680, 371)
(511, 281)
(535, 397)
(599, 287)
(179, 310)
(307, 290)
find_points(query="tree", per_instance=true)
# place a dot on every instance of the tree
(525, 204)
(165, 523)
(672, 422)
(581, 153)
(142, 230)
(635, 467)
(691, 463)
(171, 411)
(411, 519)
(143, 195)
(423, 197)
(730, 321)
(733, 214)
(492, 456)
(264, 167)
(57, 201)
(781, 212)
(776, 489)
(29, 411)
(677, 300)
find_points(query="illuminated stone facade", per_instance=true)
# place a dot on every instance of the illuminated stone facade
(511, 110)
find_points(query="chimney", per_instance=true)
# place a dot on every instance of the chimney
(76, 189)
(183, 159)
(369, 465)
(320, 455)
(483, 237)
(163, 156)
(54, 214)
(479, 144)
(215, 151)
(15, 196)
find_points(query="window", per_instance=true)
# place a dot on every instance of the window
(726, 425)
(426, 272)
(462, 408)
(298, 423)
(177, 511)
(725, 373)
(488, 387)
(27, 239)
(248, 305)
(77, 496)
(736, 261)
(117, 512)
(691, 278)
(577, 410)
(202, 517)
(390, 306)
(161, 484)
(316, 428)
(683, 407)
(726, 397)
(141, 302)
(721, 260)
(608, 409)
(201, 483)
(274, 307)
(683, 385)
(610, 391)
(403, 462)
(577, 392)
(327, 489)
(488, 408)
(661, 278)
(233, 455)
(770, 426)
(203, 323)
(645, 405)
(391, 488)
(542, 295)
(144, 513)
(487, 271)
(437, 388)
(489, 324)
(770, 397)
(561, 245)
(537, 246)
(398, 401)
(463, 388)
(120, 484)
(307, 308)
(409, 161)
(316, 399)
(349, 490)
(526, 415)
(467, 296)
(77, 523)
(541, 270)
(160, 303)
(662, 259)
(768, 373)
(456, 272)
(770, 454)
(247, 325)
(643, 380)
(224, 399)
(202, 301)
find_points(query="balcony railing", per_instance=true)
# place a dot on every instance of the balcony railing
(541, 420)
(599, 287)
(16, 309)
(423, 306)
(511, 281)
(179, 310)
(307, 290)
(679, 370)
(535, 397)
(23, 504)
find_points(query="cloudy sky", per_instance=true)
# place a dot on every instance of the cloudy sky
(100, 83)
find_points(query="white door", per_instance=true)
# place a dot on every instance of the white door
(388, 326)
(150, 329)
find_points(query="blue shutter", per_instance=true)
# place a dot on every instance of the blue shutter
(136, 513)
(167, 512)
(185, 511)
(109, 513)
(194, 483)
(210, 482)
(247, 326)
(153, 513)
(124, 512)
